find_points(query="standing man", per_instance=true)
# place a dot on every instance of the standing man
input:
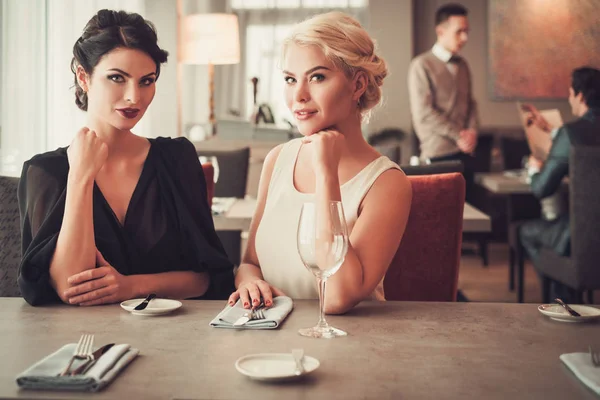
(443, 110)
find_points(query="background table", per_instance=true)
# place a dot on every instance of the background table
(240, 214)
(394, 350)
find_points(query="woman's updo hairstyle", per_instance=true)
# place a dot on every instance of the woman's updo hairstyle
(348, 45)
(106, 31)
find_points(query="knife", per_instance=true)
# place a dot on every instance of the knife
(569, 309)
(82, 369)
(144, 304)
(244, 318)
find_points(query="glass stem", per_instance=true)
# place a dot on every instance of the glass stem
(322, 322)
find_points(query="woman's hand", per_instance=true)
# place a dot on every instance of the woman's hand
(87, 154)
(101, 285)
(326, 150)
(250, 293)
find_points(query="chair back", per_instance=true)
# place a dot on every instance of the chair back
(388, 142)
(425, 267)
(440, 167)
(513, 151)
(10, 237)
(584, 191)
(209, 174)
(232, 171)
(482, 160)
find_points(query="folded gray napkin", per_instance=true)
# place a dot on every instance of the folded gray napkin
(43, 374)
(581, 365)
(282, 305)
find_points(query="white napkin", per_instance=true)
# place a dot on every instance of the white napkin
(43, 374)
(581, 365)
(282, 305)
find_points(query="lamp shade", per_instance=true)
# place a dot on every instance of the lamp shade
(210, 39)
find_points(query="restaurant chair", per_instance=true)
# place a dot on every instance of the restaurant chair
(232, 181)
(425, 266)
(579, 271)
(440, 167)
(10, 237)
(388, 142)
(209, 173)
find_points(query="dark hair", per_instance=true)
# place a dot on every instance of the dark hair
(448, 10)
(586, 80)
(106, 31)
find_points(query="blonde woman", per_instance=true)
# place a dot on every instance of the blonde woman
(333, 79)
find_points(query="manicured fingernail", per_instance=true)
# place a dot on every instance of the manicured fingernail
(255, 301)
(268, 302)
(246, 304)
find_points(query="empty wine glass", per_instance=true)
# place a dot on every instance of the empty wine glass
(322, 246)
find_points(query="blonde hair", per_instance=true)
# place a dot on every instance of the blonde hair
(348, 45)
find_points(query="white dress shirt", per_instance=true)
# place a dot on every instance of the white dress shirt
(440, 52)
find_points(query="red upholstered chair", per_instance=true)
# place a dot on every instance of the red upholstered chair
(209, 173)
(425, 267)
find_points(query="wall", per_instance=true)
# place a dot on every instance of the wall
(492, 113)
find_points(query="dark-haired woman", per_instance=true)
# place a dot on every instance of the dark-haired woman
(116, 216)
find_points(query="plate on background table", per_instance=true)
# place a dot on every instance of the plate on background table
(558, 313)
(274, 366)
(155, 306)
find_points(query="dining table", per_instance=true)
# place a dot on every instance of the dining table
(394, 350)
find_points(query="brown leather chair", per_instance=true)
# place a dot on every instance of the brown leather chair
(10, 237)
(209, 173)
(425, 267)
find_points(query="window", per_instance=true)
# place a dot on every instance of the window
(264, 24)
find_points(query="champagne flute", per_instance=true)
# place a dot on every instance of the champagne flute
(322, 246)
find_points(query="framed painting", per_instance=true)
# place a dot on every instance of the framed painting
(533, 45)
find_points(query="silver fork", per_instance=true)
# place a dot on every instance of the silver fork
(595, 355)
(258, 314)
(83, 351)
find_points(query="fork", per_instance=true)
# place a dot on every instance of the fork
(595, 357)
(258, 314)
(83, 351)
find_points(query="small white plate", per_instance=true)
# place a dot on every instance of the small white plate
(558, 313)
(155, 307)
(274, 366)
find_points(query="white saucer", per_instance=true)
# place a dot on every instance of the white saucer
(274, 366)
(558, 313)
(155, 307)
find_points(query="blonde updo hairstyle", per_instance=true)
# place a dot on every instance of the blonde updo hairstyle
(348, 45)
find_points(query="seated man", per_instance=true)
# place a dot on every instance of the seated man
(546, 177)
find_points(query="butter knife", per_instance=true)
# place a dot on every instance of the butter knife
(244, 318)
(144, 304)
(566, 306)
(82, 369)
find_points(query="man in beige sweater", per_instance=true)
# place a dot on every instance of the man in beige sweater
(443, 110)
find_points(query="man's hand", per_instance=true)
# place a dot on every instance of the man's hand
(467, 141)
(534, 164)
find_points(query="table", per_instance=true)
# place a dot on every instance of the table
(501, 183)
(394, 350)
(240, 214)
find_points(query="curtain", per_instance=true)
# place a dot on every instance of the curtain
(37, 101)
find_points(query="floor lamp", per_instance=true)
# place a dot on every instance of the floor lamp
(209, 39)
